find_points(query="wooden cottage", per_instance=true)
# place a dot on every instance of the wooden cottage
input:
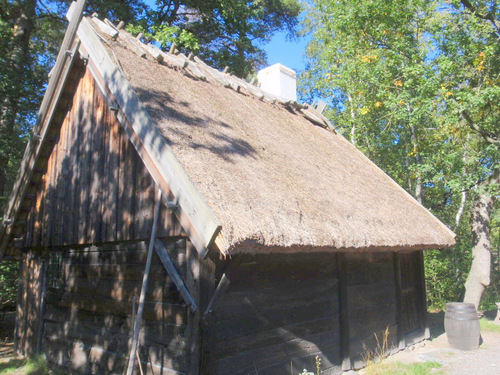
(266, 239)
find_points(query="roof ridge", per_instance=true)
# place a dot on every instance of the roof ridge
(193, 65)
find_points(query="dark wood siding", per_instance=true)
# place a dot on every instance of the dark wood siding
(88, 317)
(413, 302)
(278, 314)
(371, 303)
(96, 188)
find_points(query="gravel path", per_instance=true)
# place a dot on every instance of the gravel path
(483, 361)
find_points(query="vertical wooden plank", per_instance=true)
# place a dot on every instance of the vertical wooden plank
(399, 306)
(193, 330)
(46, 194)
(20, 303)
(86, 119)
(96, 169)
(61, 181)
(42, 277)
(112, 172)
(206, 341)
(423, 294)
(126, 189)
(71, 157)
(105, 184)
(143, 199)
(344, 314)
(79, 147)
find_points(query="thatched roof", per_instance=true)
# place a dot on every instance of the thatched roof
(274, 176)
(274, 179)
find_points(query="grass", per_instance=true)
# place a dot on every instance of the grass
(35, 366)
(488, 326)
(397, 368)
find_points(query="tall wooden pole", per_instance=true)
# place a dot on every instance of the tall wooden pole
(140, 309)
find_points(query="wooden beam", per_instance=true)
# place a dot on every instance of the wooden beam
(399, 305)
(174, 275)
(423, 296)
(345, 354)
(140, 309)
(219, 292)
(196, 217)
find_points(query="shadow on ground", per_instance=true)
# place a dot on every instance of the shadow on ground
(7, 323)
(436, 324)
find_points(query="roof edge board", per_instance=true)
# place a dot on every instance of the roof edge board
(190, 200)
(49, 103)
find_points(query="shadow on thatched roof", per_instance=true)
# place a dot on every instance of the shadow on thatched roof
(275, 179)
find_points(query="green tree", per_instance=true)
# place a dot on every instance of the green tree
(415, 85)
(227, 32)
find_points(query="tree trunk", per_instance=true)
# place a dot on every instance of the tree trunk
(479, 274)
(353, 117)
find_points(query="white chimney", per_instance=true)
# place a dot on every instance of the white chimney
(280, 81)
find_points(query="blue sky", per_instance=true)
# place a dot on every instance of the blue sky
(286, 52)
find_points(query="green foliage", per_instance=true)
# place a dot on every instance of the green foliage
(223, 32)
(166, 35)
(416, 86)
(9, 271)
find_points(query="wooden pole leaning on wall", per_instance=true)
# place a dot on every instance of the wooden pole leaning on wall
(140, 308)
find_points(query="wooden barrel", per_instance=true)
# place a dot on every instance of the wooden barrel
(461, 324)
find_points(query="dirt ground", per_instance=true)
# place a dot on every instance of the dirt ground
(484, 361)
(7, 322)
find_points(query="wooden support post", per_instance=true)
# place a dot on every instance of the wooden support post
(19, 301)
(140, 309)
(174, 275)
(345, 354)
(423, 311)
(399, 305)
(41, 303)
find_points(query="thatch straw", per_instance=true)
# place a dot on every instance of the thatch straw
(276, 181)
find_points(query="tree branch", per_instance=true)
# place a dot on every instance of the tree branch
(490, 16)
(489, 137)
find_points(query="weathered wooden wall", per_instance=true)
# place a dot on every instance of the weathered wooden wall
(371, 303)
(95, 188)
(280, 311)
(413, 305)
(278, 314)
(30, 294)
(87, 322)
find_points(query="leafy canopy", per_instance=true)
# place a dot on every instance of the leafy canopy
(415, 84)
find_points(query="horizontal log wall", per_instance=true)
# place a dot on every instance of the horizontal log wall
(95, 187)
(88, 316)
(278, 314)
